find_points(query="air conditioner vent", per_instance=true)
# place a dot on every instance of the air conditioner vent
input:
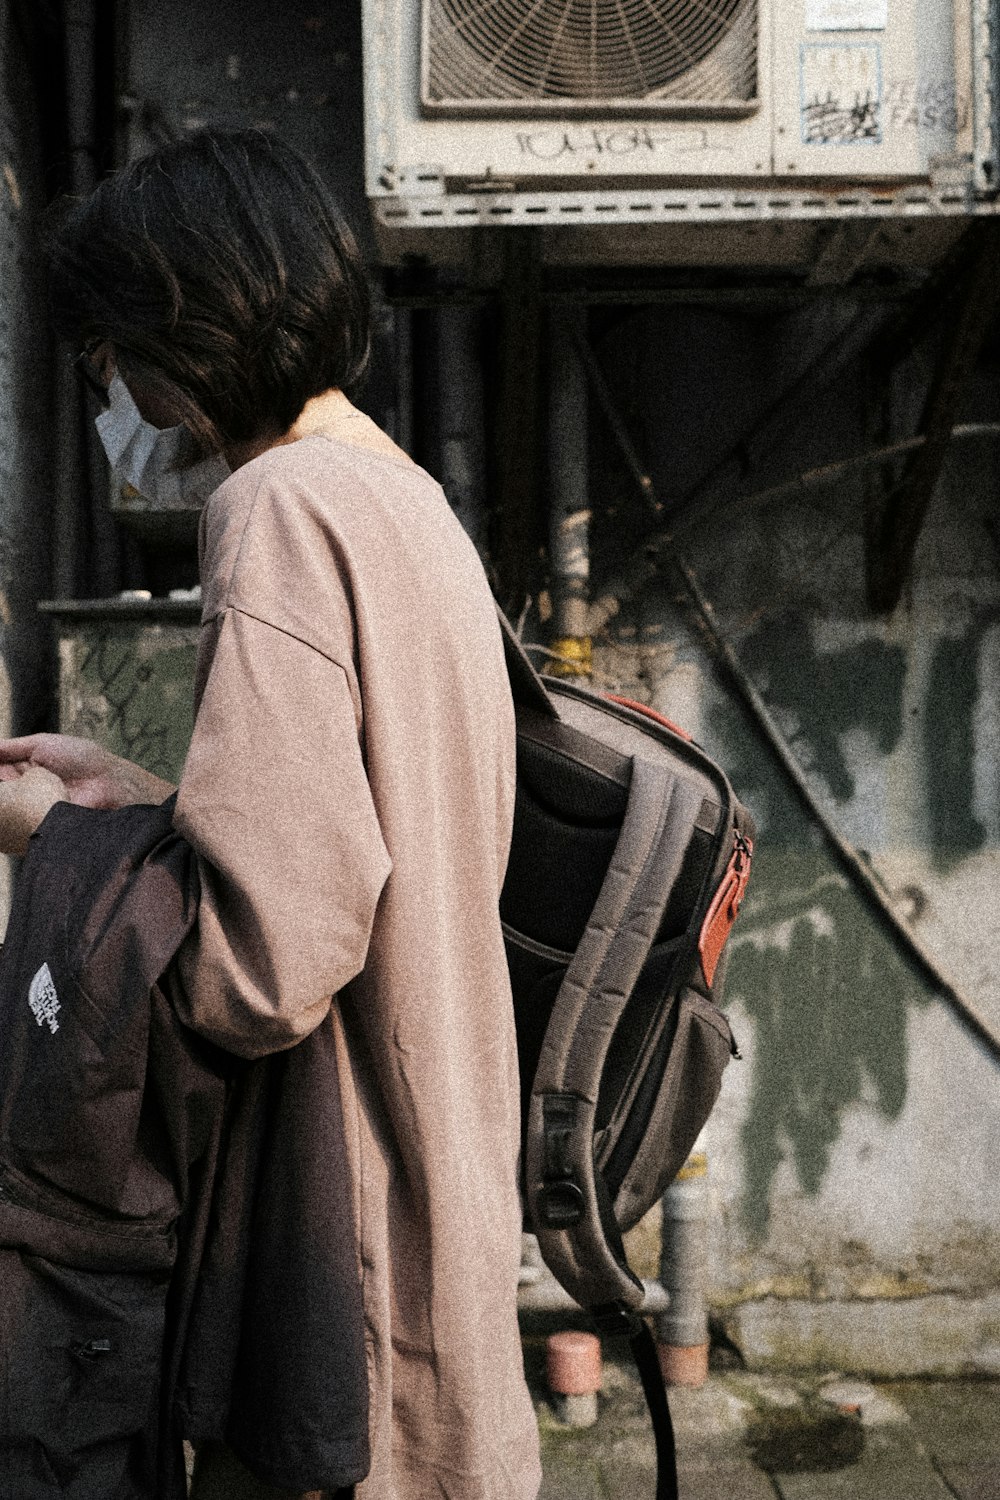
(579, 56)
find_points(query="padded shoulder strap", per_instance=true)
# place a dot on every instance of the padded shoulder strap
(525, 683)
(570, 1208)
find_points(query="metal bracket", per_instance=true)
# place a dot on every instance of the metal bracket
(985, 99)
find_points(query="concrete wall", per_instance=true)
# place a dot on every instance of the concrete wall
(853, 1154)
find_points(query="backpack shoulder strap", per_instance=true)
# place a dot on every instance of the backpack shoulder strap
(526, 685)
(570, 1208)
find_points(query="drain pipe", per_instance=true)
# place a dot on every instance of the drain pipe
(72, 464)
(569, 514)
(682, 1331)
(86, 546)
(463, 439)
(402, 338)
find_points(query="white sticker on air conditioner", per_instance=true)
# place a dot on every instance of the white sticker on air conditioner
(847, 15)
(840, 93)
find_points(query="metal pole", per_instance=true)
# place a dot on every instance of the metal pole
(402, 319)
(517, 420)
(569, 513)
(462, 438)
(682, 1331)
(81, 470)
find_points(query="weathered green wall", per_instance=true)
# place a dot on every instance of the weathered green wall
(857, 1221)
(128, 684)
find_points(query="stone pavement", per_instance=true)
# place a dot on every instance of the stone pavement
(747, 1436)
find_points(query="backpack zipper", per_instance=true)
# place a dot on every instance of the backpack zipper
(725, 905)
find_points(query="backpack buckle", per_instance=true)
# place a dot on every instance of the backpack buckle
(560, 1205)
(560, 1202)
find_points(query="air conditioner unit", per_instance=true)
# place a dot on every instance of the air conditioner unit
(622, 112)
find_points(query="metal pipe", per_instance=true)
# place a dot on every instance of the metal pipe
(402, 327)
(682, 1331)
(517, 419)
(829, 473)
(80, 470)
(640, 292)
(463, 438)
(569, 513)
(68, 479)
(80, 26)
(613, 418)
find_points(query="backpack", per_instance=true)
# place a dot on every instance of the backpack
(629, 860)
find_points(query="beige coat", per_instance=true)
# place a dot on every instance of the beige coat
(349, 792)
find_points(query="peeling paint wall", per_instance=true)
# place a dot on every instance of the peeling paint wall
(25, 426)
(854, 1149)
(128, 683)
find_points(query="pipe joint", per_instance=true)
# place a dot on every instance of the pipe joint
(572, 657)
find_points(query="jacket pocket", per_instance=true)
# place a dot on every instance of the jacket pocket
(80, 1359)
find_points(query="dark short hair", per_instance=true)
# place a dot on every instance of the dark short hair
(221, 271)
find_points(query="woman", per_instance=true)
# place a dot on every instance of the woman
(349, 785)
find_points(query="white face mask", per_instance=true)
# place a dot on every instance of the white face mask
(155, 461)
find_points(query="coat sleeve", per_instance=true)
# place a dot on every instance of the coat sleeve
(276, 804)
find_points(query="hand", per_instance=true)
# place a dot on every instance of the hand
(91, 776)
(23, 805)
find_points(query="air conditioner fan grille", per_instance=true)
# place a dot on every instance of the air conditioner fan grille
(573, 50)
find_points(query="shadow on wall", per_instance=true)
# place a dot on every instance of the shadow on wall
(828, 994)
(818, 972)
(828, 693)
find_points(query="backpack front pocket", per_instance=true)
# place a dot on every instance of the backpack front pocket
(80, 1359)
(658, 1119)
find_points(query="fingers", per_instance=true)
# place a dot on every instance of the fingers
(65, 754)
(13, 772)
(42, 781)
(18, 750)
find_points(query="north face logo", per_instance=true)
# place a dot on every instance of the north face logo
(43, 999)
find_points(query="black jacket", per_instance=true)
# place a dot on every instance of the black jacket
(177, 1254)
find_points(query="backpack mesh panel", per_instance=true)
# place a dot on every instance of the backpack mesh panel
(554, 875)
(568, 788)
